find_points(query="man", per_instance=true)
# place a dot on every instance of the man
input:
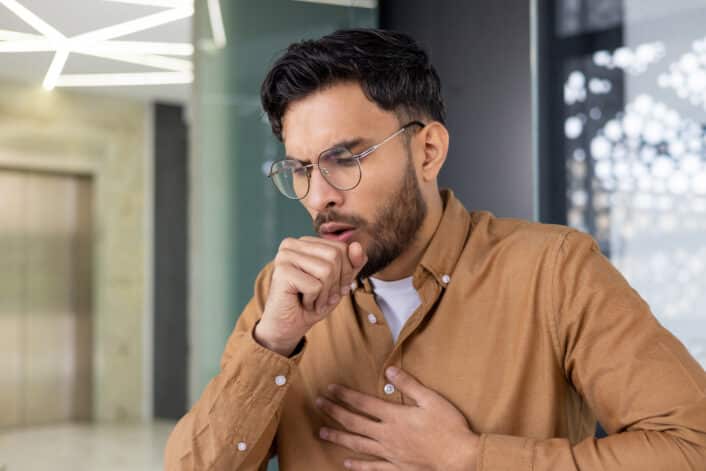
(414, 335)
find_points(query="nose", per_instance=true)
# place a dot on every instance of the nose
(322, 194)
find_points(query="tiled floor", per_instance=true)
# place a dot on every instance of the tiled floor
(84, 447)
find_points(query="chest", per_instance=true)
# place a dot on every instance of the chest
(486, 349)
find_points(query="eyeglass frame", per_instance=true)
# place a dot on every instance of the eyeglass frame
(358, 157)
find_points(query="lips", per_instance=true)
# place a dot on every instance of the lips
(336, 231)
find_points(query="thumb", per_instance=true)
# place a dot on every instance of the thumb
(357, 256)
(410, 386)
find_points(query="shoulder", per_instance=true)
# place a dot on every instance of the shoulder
(519, 233)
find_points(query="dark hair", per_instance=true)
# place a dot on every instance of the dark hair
(392, 69)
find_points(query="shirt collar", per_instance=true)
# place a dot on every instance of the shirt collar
(444, 250)
(448, 241)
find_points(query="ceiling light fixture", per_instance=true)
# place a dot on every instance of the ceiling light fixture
(6, 35)
(102, 43)
(346, 3)
(133, 79)
(217, 28)
(155, 61)
(157, 3)
(57, 65)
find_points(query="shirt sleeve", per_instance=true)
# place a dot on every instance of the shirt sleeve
(646, 390)
(233, 424)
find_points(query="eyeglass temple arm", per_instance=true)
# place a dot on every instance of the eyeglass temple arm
(372, 149)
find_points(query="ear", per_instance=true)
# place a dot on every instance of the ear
(435, 140)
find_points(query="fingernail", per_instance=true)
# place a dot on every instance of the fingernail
(334, 299)
(319, 401)
(347, 464)
(323, 433)
(345, 290)
(392, 372)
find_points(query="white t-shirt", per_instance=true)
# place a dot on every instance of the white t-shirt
(398, 300)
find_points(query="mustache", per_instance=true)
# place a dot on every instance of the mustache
(333, 216)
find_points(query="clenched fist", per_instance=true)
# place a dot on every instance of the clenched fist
(310, 276)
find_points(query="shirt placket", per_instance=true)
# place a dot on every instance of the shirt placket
(379, 336)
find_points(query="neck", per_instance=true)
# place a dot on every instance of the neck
(405, 265)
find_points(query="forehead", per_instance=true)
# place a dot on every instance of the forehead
(334, 114)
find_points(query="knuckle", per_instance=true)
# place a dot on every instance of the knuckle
(281, 256)
(286, 243)
(318, 285)
(330, 253)
(349, 422)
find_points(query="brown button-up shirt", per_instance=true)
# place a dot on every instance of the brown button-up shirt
(526, 328)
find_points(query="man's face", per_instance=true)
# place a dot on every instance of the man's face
(385, 211)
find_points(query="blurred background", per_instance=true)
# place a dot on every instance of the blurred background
(135, 211)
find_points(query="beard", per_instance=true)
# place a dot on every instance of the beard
(395, 226)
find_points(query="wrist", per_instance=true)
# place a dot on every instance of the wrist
(465, 457)
(265, 337)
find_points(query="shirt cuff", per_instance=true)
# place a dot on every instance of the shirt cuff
(296, 353)
(257, 380)
(505, 453)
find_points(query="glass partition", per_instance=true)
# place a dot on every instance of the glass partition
(625, 145)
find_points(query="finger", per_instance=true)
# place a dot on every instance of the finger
(298, 282)
(347, 270)
(352, 422)
(410, 386)
(331, 251)
(358, 258)
(369, 405)
(317, 267)
(361, 465)
(352, 441)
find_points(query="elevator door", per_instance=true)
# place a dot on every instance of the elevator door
(45, 298)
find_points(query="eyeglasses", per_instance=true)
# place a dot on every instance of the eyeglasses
(338, 165)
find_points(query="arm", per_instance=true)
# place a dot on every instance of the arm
(233, 424)
(241, 404)
(642, 384)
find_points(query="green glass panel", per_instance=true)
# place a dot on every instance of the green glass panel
(237, 216)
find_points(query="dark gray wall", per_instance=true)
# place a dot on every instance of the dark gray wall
(481, 50)
(170, 262)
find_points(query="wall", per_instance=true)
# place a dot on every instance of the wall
(170, 262)
(482, 51)
(106, 139)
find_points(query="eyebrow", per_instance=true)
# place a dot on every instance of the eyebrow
(347, 143)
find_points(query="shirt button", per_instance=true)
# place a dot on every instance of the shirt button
(242, 446)
(446, 279)
(389, 389)
(372, 319)
(280, 380)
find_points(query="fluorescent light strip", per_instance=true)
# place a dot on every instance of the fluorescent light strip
(138, 47)
(156, 61)
(57, 65)
(218, 30)
(346, 3)
(134, 26)
(111, 80)
(108, 47)
(33, 20)
(32, 45)
(157, 3)
(6, 35)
